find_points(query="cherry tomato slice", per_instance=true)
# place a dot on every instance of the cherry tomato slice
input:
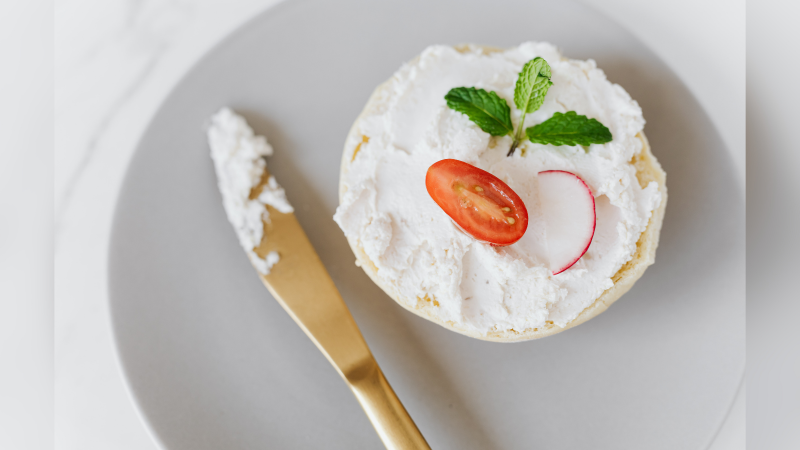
(478, 202)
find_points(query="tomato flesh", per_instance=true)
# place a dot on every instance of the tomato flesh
(481, 204)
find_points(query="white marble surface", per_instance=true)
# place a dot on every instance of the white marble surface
(26, 214)
(116, 60)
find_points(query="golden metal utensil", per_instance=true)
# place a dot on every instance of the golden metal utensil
(303, 287)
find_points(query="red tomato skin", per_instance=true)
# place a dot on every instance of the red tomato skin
(443, 180)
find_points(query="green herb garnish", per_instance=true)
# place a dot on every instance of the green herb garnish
(493, 115)
(486, 109)
(532, 86)
(569, 129)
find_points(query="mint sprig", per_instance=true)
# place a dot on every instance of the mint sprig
(486, 109)
(493, 115)
(569, 129)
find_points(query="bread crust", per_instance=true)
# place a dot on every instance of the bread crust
(647, 169)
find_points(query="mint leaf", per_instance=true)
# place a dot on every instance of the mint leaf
(486, 109)
(532, 85)
(569, 129)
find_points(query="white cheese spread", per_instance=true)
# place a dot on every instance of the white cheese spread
(238, 156)
(417, 249)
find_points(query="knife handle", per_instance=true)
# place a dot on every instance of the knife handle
(300, 283)
(390, 419)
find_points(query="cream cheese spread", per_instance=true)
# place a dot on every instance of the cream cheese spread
(238, 156)
(418, 251)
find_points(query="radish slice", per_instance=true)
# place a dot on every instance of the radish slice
(569, 214)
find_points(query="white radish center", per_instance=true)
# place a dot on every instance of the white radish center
(569, 213)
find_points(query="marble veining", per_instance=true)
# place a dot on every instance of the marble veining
(147, 30)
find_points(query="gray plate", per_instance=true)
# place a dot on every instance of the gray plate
(214, 362)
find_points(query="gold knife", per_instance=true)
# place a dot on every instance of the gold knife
(303, 287)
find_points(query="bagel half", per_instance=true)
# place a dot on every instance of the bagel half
(647, 169)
